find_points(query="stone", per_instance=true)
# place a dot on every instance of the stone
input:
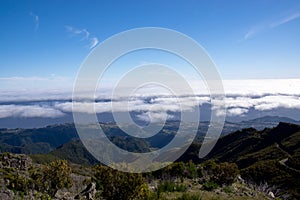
(271, 194)
(6, 195)
(88, 193)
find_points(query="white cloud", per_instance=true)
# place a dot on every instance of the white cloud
(241, 97)
(262, 87)
(285, 20)
(17, 89)
(36, 20)
(94, 42)
(254, 31)
(29, 111)
(236, 111)
(154, 116)
(85, 34)
(273, 102)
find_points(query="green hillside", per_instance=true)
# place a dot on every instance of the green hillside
(270, 156)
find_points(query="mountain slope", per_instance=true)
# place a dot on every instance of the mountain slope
(44, 140)
(40, 140)
(275, 143)
(270, 155)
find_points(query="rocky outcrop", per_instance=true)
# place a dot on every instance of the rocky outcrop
(88, 193)
(6, 194)
(16, 161)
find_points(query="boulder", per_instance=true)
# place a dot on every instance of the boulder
(88, 193)
(6, 194)
(17, 161)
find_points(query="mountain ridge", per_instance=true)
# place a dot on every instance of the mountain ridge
(46, 139)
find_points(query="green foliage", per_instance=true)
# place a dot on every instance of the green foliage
(209, 166)
(130, 144)
(117, 185)
(21, 176)
(37, 140)
(268, 171)
(191, 170)
(227, 189)
(225, 173)
(17, 182)
(209, 186)
(178, 170)
(187, 196)
(222, 173)
(43, 158)
(52, 177)
(45, 197)
(174, 170)
(170, 186)
(75, 152)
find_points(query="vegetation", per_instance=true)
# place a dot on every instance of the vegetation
(170, 186)
(117, 185)
(50, 178)
(270, 157)
(209, 186)
(175, 181)
(225, 173)
(21, 176)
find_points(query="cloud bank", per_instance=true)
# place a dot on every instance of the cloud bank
(242, 96)
(27, 111)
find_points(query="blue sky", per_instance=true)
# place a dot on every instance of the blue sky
(44, 43)
(246, 39)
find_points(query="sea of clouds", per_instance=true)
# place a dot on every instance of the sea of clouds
(52, 98)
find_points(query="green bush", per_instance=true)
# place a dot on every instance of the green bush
(225, 173)
(52, 177)
(17, 182)
(191, 170)
(117, 185)
(170, 186)
(210, 186)
(227, 189)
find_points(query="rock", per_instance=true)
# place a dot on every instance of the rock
(240, 179)
(88, 193)
(17, 161)
(271, 194)
(61, 195)
(152, 188)
(6, 195)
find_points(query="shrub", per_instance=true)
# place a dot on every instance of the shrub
(120, 185)
(170, 186)
(225, 173)
(191, 170)
(52, 177)
(176, 169)
(17, 182)
(227, 189)
(209, 186)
